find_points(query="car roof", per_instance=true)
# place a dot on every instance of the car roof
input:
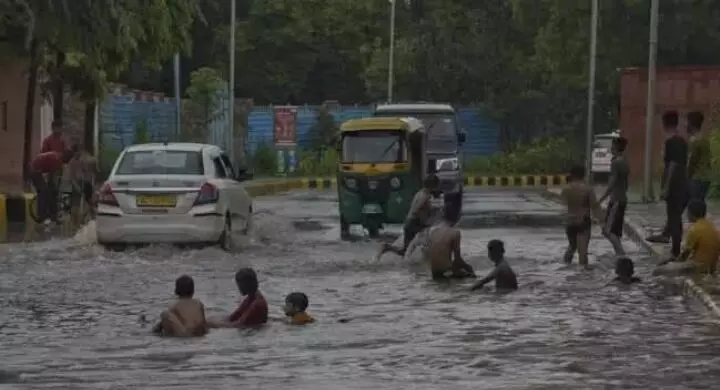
(415, 107)
(171, 146)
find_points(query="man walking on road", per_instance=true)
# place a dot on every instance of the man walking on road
(674, 183)
(699, 170)
(617, 192)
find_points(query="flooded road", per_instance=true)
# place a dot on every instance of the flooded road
(70, 313)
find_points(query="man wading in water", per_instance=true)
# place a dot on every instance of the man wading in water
(443, 251)
(581, 204)
(418, 217)
(617, 192)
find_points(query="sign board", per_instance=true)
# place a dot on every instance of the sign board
(285, 125)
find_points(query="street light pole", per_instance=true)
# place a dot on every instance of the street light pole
(178, 98)
(391, 53)
(591, 91)
(231, 87)
(648, 195)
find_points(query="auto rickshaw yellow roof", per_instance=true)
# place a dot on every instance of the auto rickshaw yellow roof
(383, 123)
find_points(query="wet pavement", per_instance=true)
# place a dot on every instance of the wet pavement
(70, 313)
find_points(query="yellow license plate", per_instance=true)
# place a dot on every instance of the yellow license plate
(156, 200)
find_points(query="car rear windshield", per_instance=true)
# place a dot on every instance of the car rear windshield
(161, 162)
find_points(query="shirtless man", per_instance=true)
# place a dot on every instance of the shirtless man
(443, 251)
(186, 317)
(419, 215)
(581, 205)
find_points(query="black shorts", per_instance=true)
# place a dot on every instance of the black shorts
(615, 217)
(450, 274)
(573, 229)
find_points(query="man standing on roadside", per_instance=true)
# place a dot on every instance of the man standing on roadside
(699, 170)
(55, 141)
(617, 192)
(674, 183)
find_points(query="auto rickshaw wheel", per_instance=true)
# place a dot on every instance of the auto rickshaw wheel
(344, 228)
(373, 231)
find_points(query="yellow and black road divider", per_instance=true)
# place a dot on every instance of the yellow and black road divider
(515, 180)
(325, 183)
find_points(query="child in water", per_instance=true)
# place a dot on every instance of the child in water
(253, 310)
(504, 276)
(625, 271)
(186, 317)
(295, 308)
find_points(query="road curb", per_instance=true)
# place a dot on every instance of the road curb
(635, 232)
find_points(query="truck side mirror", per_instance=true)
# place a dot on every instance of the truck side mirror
(462, 137)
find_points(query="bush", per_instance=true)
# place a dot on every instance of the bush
(547, 155)
(264, 161)
(715, 163)
(318, 163)
(550, 155)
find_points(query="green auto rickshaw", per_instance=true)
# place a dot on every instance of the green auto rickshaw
(382, 165)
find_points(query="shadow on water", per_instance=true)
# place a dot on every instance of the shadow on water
(69, 317)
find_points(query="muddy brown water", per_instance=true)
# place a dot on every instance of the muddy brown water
(69, 318)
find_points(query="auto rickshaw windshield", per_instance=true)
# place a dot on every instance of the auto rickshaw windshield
(374, 146)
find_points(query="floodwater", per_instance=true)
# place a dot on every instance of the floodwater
(71, 317)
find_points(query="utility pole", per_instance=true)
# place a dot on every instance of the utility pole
(648, 195)
(178, 97)
(231, 87)
(391, 53)
(591, 91)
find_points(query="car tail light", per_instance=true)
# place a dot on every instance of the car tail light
(208, 194)
(106, 196)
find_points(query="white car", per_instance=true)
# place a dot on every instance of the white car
(172, 193)
(601, 154)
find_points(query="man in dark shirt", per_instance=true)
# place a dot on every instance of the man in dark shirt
(617, 192)
(674, 183)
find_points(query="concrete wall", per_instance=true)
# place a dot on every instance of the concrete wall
(13, 94)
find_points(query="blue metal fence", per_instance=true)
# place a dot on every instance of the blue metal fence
(122, 115)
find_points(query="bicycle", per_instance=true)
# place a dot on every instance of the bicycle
(64, 207)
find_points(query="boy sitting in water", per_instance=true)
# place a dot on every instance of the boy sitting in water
(625, 271)
(701, 249)
(581, 205)
(186, 317)
(443, 251)
(253, 310)
(295, 308)
(504, 276)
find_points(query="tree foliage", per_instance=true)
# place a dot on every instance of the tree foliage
(204, 94)
(525, 61)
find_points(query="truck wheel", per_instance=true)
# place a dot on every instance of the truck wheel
(344, 229)
(373, 231)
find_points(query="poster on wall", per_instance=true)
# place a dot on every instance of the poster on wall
(285, 118)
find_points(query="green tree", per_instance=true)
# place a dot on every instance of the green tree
(204, 93)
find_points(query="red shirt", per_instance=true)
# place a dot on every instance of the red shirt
(53, 143)
(47, 163)
(251, 312)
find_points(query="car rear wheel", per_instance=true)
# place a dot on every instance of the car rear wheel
(225, 240)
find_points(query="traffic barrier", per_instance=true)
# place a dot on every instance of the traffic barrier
(330, 183)
(16, 209)
(515, 180)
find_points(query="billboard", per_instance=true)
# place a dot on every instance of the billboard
(285, 125)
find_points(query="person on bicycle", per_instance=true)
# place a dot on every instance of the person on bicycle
(83, 170)
(44, 170)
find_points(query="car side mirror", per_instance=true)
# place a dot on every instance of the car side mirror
(462, 137)
(244, 174)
